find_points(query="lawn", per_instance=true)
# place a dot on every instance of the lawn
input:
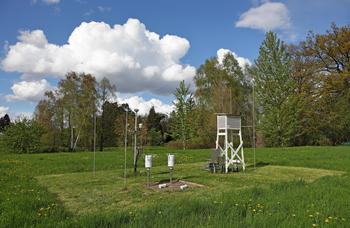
(291, 187)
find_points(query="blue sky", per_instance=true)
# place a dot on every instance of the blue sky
(157, 43)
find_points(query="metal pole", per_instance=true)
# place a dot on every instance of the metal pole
(171, 175)
(254, 144)
(230, 100)
(147, 177)
(125, 144)
(135, 142)
(94, 143)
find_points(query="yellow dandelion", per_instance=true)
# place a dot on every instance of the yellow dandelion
(236, 204)
(159, 212)
(221, 202)
(343, 219)
(39, 214)
(130, 212)
(314, 225)
(293, 215)
(41, 209)
(215, 201)
(317, 213)
(330, 217)
(307, 210)
(335, 218)
(310, 216)
(45, 214)
(254, 210)
(326, 221)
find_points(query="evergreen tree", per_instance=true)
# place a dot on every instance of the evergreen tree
(4, 122)
(184, 107)
(275, 92)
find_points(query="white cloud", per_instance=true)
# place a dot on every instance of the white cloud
(241, 60)
(103, 9)
(132, 57)
(19, 115)
(31, 91)
(3, 110)
(268, 16)
(51, 1)
(144, 106)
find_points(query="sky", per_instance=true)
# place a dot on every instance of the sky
(145, 48)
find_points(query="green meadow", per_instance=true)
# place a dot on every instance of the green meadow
(290, 187)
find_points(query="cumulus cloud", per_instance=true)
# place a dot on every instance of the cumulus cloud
(129, 55)
(241, 60)
(3, 110)
(31, 91)
(144, 106)
(268, 16)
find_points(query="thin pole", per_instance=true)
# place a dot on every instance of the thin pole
(135, 142)
(230, 100)
(94, 144)
(125, 145)
(254, 144)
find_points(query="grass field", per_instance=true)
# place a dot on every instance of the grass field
(291, 187)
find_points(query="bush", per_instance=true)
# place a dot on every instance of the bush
(23, 136)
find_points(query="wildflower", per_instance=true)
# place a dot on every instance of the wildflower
(335, 218)
(39, 214)
(326, 221)
(215, 201)
(330, 217)
(293, 215)
(254, 210)
(45, 214)
(236, 204)
(314, 225)
(41, 209)
(130, 212)
(343, 219)
(310, 216)
(317, 213)
(159, 212)
(307, 210)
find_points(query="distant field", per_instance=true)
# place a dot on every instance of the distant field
(291, 187)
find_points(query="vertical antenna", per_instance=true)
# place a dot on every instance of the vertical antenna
(254, 144)
(94, 143)
(125, 144)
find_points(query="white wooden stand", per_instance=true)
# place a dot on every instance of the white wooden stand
(229, 124)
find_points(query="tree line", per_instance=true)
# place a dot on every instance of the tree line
(302, 97)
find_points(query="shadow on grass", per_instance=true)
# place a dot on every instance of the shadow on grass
(259, 164)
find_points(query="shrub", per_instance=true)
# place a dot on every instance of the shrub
(23, 136)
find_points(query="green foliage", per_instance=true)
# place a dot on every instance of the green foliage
(275, 92)
(155, 137)
(183, 116)
(4, 122)
(106, 91)
(23, 136)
